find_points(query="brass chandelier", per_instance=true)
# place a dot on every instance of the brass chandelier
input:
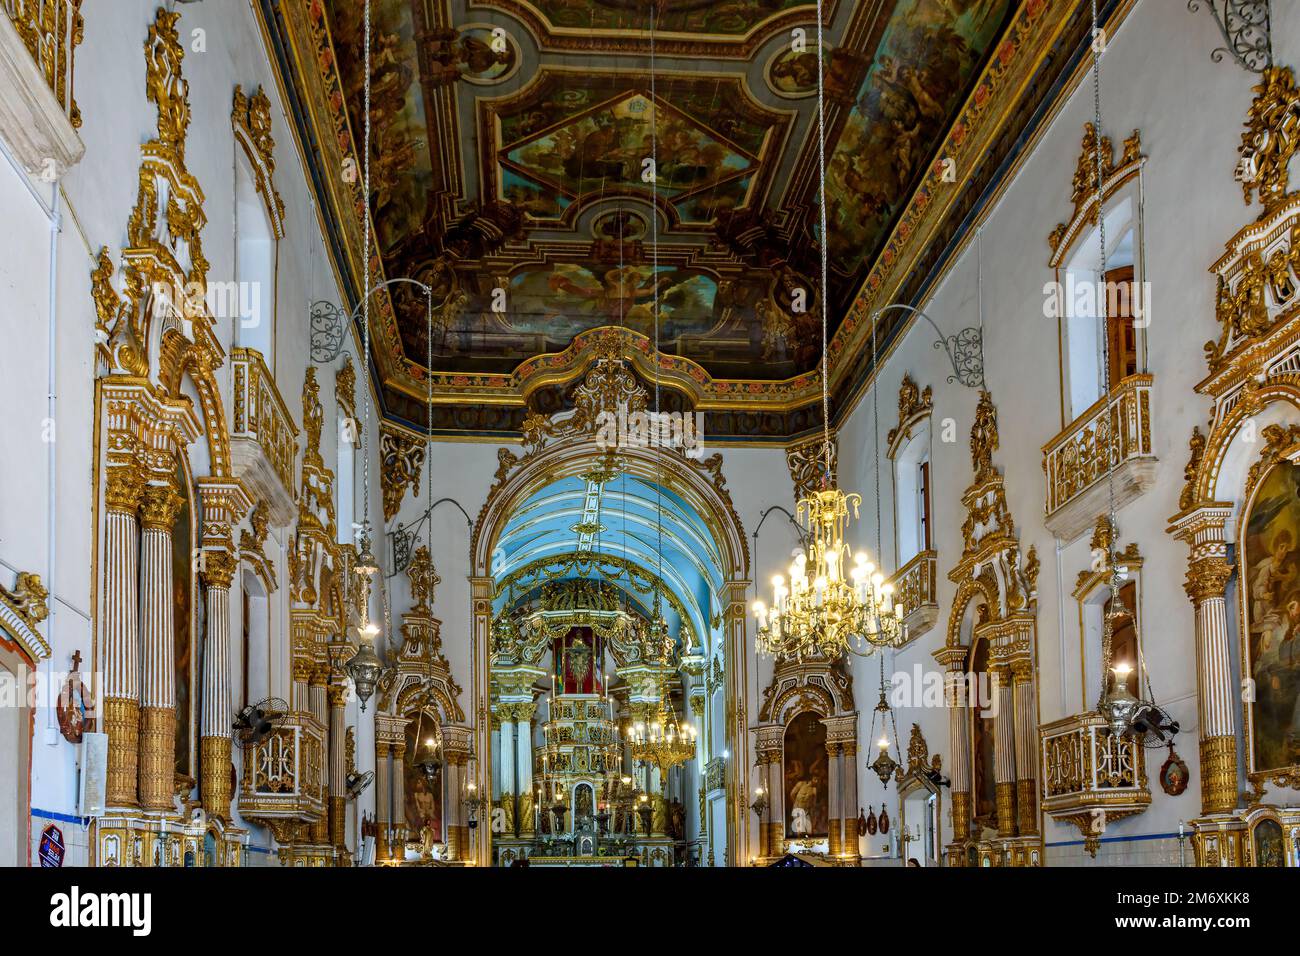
(664, 741)
(835, 601)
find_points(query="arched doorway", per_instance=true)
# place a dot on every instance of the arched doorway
(558, 530)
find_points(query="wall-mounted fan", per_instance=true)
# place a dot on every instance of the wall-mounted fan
(1153, 727)
(256, 722)
(357, 783)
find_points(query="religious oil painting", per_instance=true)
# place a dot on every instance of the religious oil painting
(422, 795)
(1272, 547)
(807, 804)
(558, 303)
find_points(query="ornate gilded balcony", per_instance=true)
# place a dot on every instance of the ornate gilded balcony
(914, 588)
(263, 437)
(1090, 777)
(284, 775)
(38, 114)
(1114, 433)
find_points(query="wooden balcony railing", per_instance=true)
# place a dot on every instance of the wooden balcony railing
(1090, 777)
(1114, 435)
(914, 588)
(284, 774)
(51, 31)
(263, 436)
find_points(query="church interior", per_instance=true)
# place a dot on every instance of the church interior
(418, 455)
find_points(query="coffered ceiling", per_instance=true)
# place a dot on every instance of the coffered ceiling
(557, 170)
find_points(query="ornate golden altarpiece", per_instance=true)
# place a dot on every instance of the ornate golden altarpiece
(823, 687)
(1253, 386)
(995, 602)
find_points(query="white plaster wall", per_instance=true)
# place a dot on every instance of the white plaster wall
(1157, 76)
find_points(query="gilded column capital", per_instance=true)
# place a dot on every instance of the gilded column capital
(302, 667)
(381, 749)
(159, 505)
(505, 713)
(524, 713)
(218, 569)
(1022, 670)
(338, 696)
(320, 674)
(124, 486)
(1207, 578)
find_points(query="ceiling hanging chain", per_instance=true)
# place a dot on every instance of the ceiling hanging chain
(824, 243)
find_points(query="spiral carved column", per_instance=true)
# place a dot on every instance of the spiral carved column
(121, 658)
(157, 745)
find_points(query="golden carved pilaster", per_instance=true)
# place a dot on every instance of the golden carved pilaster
(527, 826)
(214, 768)
(1218, 774)
(960, 816)
(122, 723)
(1006, 803)
(157, 757)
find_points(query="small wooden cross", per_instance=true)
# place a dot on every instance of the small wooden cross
(76, 661)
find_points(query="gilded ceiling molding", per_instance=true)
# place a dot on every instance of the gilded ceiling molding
(914, 406)
(401, 459)
(806, 460)
(250, 119)
(21, 610)
(1083, 187)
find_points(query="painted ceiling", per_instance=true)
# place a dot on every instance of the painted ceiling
(554, 167)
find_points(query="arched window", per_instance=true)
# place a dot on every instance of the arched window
(1097, 311)
(909, 449)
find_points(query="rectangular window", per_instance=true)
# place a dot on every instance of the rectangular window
(1121, 336)
(923, 504)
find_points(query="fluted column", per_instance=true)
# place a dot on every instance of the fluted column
(1207, 581)
(764, 843)
(383, 798)
(956, 697)
(121, 657)
(849, 750)
(218, 573)
(1022, 678)
(1208, 572)
(457, 832)
(1004, 749)
(319, 697)
(507, 762)
(524, 766)
(338, 766)
(835, 841)
(398, 779)
(157, 745)
(776, 797)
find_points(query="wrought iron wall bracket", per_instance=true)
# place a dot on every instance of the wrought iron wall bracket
(403, 539)
(965, 349)
(329, 321)
(1245, 25)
